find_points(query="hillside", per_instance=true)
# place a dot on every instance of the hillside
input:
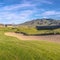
(41, 22)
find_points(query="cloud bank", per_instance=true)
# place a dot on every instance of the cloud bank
(25, 10)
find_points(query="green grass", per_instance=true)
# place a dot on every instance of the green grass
(13, 49)
(33, 30)
(29, 30)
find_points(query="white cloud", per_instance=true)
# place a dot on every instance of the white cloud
(17, 6)
(8, 14)
(11, 14)
(49, 13)
(46, 2)
(16, 17)
(43, 1)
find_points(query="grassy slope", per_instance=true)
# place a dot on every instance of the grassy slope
(14, 49)
(32, 30)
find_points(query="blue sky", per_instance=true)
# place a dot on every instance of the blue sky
(19, 11)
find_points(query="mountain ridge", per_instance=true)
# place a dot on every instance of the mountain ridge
(41, 22)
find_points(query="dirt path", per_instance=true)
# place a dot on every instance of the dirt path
(53, 38)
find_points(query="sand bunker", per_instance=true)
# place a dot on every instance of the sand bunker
(55, 38)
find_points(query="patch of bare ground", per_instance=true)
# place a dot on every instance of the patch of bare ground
(52, 38)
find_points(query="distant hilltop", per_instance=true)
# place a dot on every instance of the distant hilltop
(41, 22)
(36, 22)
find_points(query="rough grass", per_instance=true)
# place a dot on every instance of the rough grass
(30, 30)
(33, 30)
(14, 49)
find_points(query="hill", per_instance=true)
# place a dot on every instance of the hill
(41, 22)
